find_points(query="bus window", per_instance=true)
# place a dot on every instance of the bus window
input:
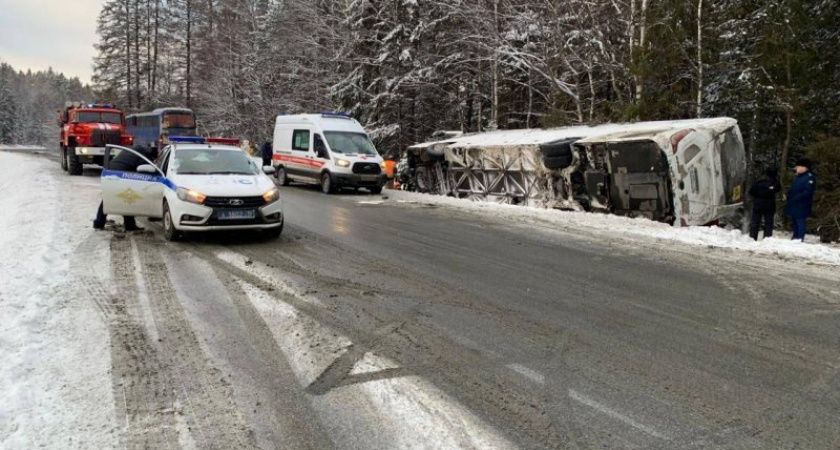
(178, 120)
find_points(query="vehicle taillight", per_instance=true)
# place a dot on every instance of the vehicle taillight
(677, 137)
(126, 139)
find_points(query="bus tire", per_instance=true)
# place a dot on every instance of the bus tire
(74, 166)
(282, 179)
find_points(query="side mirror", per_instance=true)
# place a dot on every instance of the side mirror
(268, 170)
(147, 168)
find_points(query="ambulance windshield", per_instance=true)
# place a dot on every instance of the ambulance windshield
(347, 143)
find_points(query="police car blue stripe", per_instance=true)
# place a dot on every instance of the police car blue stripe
(140, 177)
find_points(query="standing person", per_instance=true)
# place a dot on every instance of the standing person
(267, 153)
(125, 162)
(800, 197)
(764, 193)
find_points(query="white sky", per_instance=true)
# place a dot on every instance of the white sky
(38, 34)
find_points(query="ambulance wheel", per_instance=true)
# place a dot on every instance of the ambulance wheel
(375, 190)
(62, 154)
(327, 184)
(282, 179)
(74, 166)
(169, 231)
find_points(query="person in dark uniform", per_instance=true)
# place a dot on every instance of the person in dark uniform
(267, 153)
(764, 193)
(800, 197)
(126, 162)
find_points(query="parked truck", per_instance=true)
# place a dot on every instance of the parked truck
(85, 131)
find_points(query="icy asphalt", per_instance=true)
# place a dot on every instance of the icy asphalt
(383, 325)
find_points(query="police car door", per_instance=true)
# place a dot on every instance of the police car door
(133, 193)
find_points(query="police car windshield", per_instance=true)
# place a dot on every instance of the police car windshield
(213, 162)
(347, 143)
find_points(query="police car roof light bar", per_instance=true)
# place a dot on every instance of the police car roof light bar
(187, 139)
(220, 140)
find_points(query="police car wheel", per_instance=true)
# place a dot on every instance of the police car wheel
(327, 184)
(282, 179)
(169, 231)
(274, 233)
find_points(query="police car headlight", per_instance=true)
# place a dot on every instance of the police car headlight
(342, 162)
(382, 165)
(189, 195)
(271, 196)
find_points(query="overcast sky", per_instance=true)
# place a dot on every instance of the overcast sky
(37, 34)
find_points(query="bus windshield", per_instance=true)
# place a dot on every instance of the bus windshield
(350, 143)
(178, 120)
(99, 117)
(213, 162)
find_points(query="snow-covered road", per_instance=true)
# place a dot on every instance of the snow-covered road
(406, 323)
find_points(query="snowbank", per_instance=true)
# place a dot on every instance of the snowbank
(54, 356)
(9, 147)
(639, 228)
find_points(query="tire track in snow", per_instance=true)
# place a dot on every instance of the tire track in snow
(142, 384)
(207, 398)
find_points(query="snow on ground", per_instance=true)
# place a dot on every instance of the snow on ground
(635, 228)
(9, 147)
(406, 412)
(54, 376)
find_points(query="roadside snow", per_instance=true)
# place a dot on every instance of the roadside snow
(638, 228)
(54, 380)
(16, 147)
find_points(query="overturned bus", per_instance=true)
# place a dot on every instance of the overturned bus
(685, 172)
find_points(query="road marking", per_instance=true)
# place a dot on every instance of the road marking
(529, 373)
(578, 397)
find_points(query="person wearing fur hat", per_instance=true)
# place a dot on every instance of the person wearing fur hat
(763, 193)
(800, 197)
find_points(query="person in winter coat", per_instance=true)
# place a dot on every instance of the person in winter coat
(125, 162)
(267, 153)
(800, 197)
(764, 193)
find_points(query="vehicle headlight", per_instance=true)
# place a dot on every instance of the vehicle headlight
(271, 196)
(342, 162)
(189, 195)
(382, 165)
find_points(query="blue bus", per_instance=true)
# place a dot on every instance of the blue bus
(154, 128)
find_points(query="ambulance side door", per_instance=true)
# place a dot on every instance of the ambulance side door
(133, 193)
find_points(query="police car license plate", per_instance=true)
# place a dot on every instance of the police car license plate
(237, 214)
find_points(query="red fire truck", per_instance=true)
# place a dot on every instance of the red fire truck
(85, 130)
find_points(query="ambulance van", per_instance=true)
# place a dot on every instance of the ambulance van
(330, 150)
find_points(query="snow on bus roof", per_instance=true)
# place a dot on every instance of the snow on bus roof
(537, 136)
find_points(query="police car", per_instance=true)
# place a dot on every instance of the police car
(196, 184)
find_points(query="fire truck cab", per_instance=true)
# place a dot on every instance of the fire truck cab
(85, 131)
